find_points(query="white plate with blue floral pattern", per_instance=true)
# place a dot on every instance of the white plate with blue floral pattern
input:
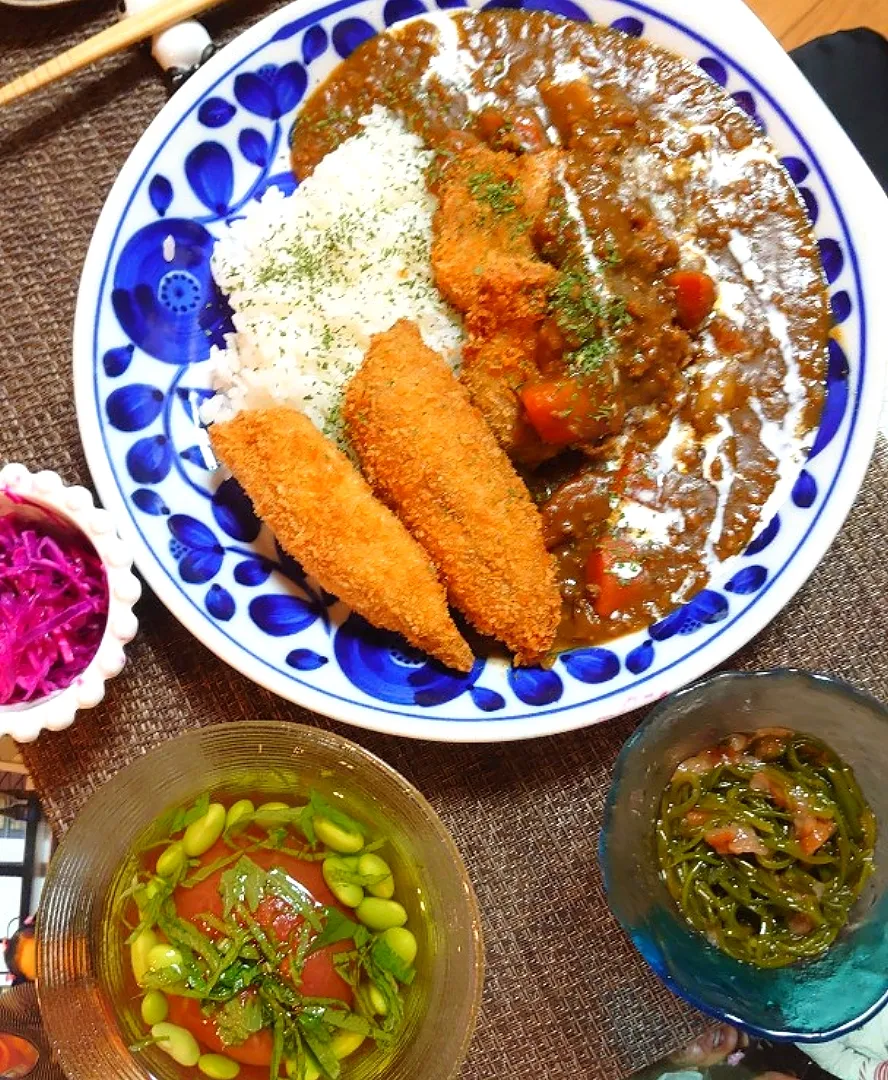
(145, 324)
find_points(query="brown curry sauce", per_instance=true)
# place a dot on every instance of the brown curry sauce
(680, 347)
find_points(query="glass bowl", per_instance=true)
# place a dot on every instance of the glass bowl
(85, 984)
(810, 1001)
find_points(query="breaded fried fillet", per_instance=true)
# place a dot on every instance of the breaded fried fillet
(323, 513)
(428, 453)
(485, 264)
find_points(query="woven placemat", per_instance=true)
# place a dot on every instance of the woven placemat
(566, 995)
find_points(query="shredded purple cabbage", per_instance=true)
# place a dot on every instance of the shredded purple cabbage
(53, 607)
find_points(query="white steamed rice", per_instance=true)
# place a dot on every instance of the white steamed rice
(312, 276)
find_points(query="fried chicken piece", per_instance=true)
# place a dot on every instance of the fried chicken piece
(323, 514)
(485, 265)
(428, 453)
(481, 229)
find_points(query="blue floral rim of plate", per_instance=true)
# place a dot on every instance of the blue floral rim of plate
(155, 312)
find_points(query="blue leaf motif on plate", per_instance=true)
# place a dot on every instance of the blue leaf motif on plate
(748, 580)
(708, 606)
(841, 306)
(535, 686)
(832, 258)
(314, 44)
(804, 490)
(593, 665)
(444, 4)
(215, 112)
(384, 666)
(233, 512)
(306, 660)
(160, 192)
(628, 25)
(117, 361)
(210, 173)
(220, 603)
(149, 460)
(271, 92)
(715, 69)
(164, 295)
(810, 201)
(200, 554)
(639, 659)
(280, 615)
(254, 146)
(290, 83)
(797, 169)
(349, 34)
(487, 700)
(255, 94)
(836, 398)
(765, 537)
(195, 455)
(149, 502)
(397, 10)
(252, 572)
(134, 407)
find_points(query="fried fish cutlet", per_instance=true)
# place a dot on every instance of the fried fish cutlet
(485, 264)
(323, 514)
(429, 454)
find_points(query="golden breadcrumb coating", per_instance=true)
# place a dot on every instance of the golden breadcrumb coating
(429, 454)
(323, 513)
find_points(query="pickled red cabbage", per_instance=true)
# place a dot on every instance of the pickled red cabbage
(53, 607)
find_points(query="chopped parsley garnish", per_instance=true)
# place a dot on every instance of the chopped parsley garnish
(588, 319)
(502, 196)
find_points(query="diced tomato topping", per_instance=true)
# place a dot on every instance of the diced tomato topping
(735, 840)
(564, 411)
(772, 786)
(812, 832)
(697, 817)
(618, 577)
(694, 296)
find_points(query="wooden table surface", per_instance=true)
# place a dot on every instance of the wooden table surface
(796, 21)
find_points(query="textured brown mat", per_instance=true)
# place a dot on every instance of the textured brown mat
(566, 995)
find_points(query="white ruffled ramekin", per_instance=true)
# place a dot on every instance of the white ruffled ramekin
(25, 721)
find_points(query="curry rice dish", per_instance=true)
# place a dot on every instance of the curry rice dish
(644, 329)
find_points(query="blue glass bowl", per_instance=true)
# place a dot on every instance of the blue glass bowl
(811, 1001)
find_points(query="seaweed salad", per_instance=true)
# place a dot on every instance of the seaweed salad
(765, 842)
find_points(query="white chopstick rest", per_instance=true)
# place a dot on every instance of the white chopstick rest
(180, 48)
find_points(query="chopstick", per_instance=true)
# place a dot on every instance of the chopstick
(127, 32)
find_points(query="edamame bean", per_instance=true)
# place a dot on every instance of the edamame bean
(336, 838)
(268, 814)
(218, 1067)
(139, 951)
(164, 956)
(380, 914)
(241, 809)
(155, 1007)
(344, 1043)
(180, 1044)
(402, 942)
(311, 1072)
(202, 834)
(345, 891)
(171, 860)
(371, 865)
(377, 1001)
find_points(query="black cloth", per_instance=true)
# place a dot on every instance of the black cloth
(850, 72)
